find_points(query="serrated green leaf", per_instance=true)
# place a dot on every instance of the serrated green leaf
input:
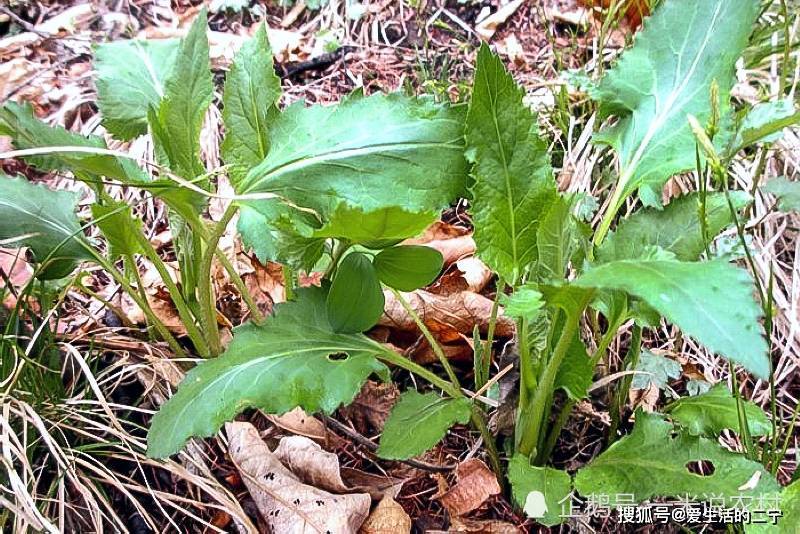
(355, 301)
(26, 131)
(118, 226)
(655, 370)
(176, 122)
(651, 462)
(709, 413)
(575, 374)
(787, 191)
(684, 46)
(524, 303)
(676, 228)
(539, 491)
(418, 422)
(43, 220)
(788, 502)
(372, 153)
(252, 89)
(764, 122)
(278, 232)
(293, 359)
(365, 227)
(130, 76)
(711, 301)
(514, 183)
(408, 267)
(557, 239)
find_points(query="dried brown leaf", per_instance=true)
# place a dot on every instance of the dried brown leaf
(370, 408)
(299, 422)
(377, 486)
(287, 505)
(387, 518)
(448, 317)
(475, 483)
(310, 463)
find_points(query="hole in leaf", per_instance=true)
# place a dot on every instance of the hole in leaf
(338, 356)
(703, 468)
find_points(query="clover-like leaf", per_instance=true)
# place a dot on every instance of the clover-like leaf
(418, 422)
(293, 359)
(408, 267)
(355, 300)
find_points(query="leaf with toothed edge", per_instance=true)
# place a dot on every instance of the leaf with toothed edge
(293, 359)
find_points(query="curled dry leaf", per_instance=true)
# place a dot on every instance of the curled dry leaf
(474, 484)
(387, 518)
(453, 249)
(486, 28)
(287, 505)
(448, 317)
(371, 407)
(310, 463)
(466, 274)
(299, 422)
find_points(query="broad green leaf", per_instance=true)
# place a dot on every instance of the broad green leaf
(676, 228)
(765, 122)
(408, 267)
(787, 191)
(385, 224)
(118, 226)
(130, 76)
(43, 220)
(252, 89)
(524, 303)
(712, 412)
(788, 501)
(26, 131)
(372, 153)
(576, 371)
(711, 301)
(355, 301)
(539, 491)
(651, 462)
(514, 183)
(655, 370)
(278, 232)
(176, 122)
(570, 298)
(293, 359)
(556, 240)
(683, 48)
(418, 422)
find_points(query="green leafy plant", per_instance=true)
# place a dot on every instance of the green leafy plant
(339, 189)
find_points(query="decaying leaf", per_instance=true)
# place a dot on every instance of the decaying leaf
(287, 504)
(447, 317)
(310, 463)
(486, 28)
(371, 407)
(387, 518)
(475, 483)
(466, 274)
(299, 422)
(158, 297)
